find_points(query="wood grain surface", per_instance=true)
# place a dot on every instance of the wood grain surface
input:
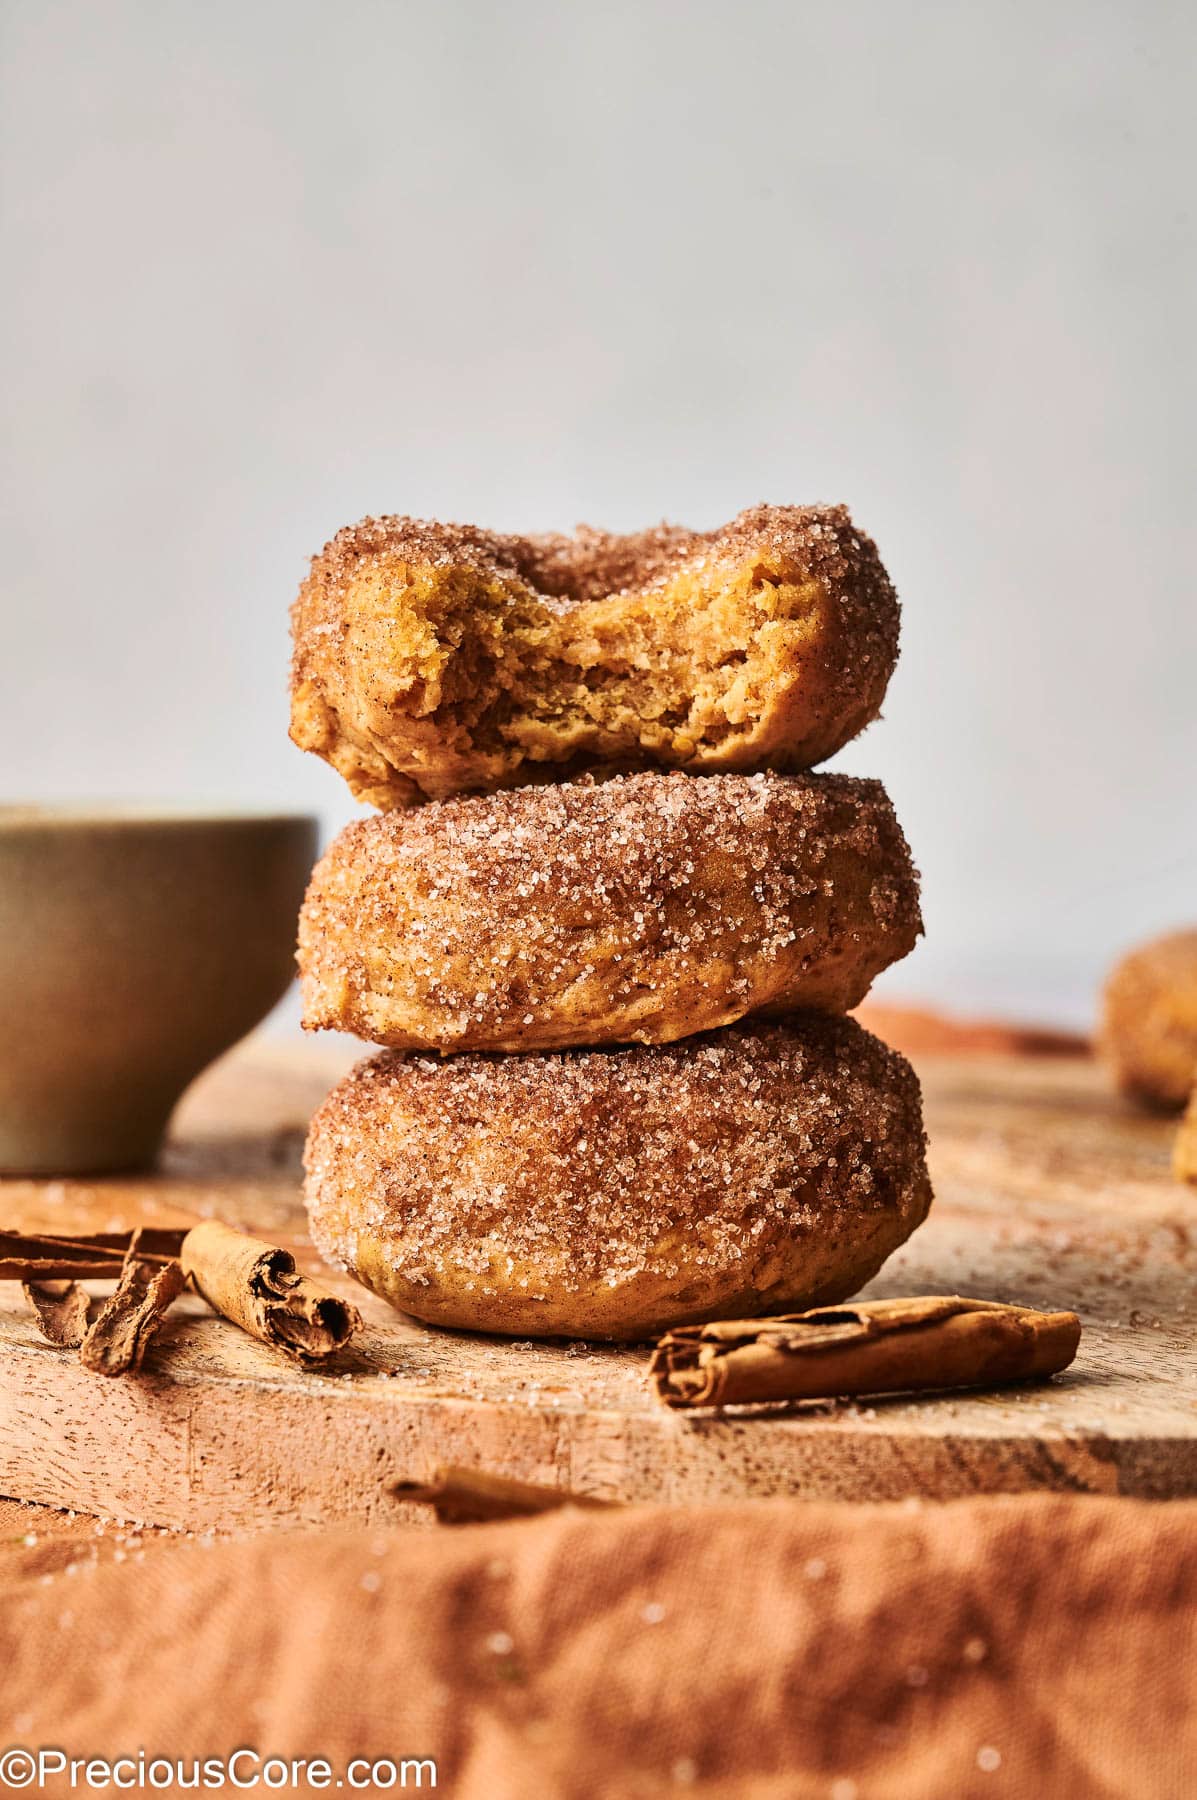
(1049, 1191)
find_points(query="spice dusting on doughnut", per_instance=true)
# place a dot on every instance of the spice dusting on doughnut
(609, 1193)
(641, 909)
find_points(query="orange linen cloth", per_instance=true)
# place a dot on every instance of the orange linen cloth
(1031, 1646)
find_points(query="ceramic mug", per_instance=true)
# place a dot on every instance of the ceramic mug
(135, 946)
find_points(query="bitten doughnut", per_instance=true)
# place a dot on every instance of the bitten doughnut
(434, 659)
(640, 909)
(1149, 1021)
(612, 1193)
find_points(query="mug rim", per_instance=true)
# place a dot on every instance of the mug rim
(42, 816)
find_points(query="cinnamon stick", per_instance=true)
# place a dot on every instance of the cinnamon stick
(866, 1347)
(99, 1255)
(256, 1285)
(474, 1497)
(120, 1336)
(61, 1309)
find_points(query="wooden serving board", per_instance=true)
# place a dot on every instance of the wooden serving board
(1049, 1191)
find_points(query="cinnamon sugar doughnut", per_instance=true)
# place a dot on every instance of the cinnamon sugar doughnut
(609, 1194)
(640, 909)
(433, 659)
(1149, 1021)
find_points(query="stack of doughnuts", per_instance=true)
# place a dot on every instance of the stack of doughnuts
(606, 924)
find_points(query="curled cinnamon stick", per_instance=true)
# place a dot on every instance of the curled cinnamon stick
(61, 1309)
(256, 1285)
(472, 1496)
(121, 1333)
(868, 1347)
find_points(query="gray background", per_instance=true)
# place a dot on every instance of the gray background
(270, 267)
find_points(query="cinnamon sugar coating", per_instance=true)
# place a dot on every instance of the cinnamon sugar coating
(435, 659)
(640, 909)
(1148, 1032)
(610, 1194)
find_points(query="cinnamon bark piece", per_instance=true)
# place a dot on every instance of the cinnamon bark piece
(121, 1333)
(472, 1497)
(99, 1255)
(869, 1347)
(61, 1308)
(256, 1285)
